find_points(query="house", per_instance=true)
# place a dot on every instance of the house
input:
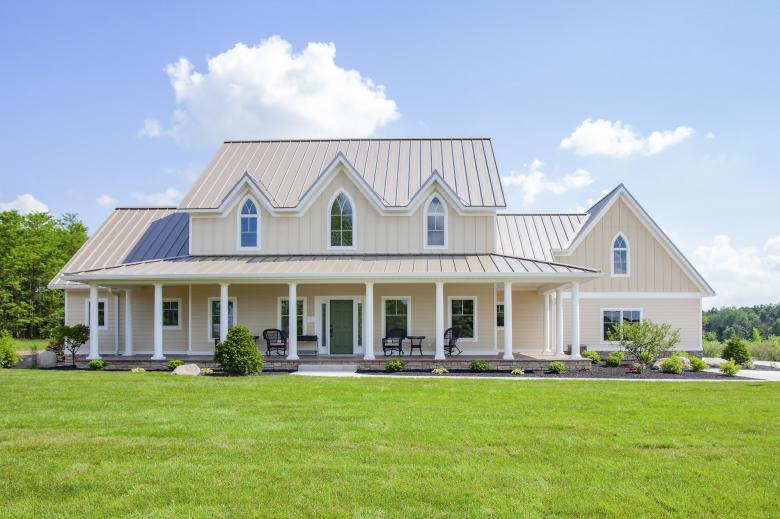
(368, 235)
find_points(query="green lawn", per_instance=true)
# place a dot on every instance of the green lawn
(106, 444)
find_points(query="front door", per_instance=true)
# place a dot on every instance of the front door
(341, 335)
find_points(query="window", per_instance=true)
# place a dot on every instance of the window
(614, 319)
(341, 222)
(170, 313)
(396, 314)
(463, 315)
(248, 236)
(214, 316)
(619, 256)
(435, 224)
(284, 315)
(500, 315)
(102, 315)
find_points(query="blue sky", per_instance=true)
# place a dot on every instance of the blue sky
(570, 92)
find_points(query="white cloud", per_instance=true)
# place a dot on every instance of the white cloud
(709, 136)
(25, 204)
(169, 197)
(268, 90)
(615, 139)
(536, 182)
(105, 200)
(740, 276)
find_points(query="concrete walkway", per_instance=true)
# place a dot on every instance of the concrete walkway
(755, 374)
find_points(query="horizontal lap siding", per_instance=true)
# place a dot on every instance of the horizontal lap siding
(76, 314)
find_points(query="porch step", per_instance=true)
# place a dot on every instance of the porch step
(345, 368)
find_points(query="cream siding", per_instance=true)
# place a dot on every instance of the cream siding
(527, 315)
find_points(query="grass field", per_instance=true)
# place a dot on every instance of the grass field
(110, 444)
(26, 345)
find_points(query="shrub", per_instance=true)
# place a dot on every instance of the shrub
(730, 368)
(615, 359)
(138, 370)
(8, 355)
(71, 338)
(557, 367)
(697, 364)
(645, 340)
(238, 353)
(394, 366)
(206, 371)
(439, 371)
(594, 357)
(672, 365)
(639, 367)
(478, 366)
(174, 363)
(97, 364)
(518, 371)
(711, 348)
(736, 350)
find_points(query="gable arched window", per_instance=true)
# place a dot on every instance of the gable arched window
(436, 224)
(341, 222)
(620, 256)
(248, 222)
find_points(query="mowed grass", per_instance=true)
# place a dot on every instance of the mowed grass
(87, 444)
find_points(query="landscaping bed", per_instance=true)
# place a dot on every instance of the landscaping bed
(602, 372)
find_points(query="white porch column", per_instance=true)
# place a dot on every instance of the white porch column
(368, 327)
(292, 327)
(508, 320)
(439, 321)
(224, 311)
(158, 325)
(128, 322)
(559, 321)
(94, 325)
(575, 321)
(546, 325)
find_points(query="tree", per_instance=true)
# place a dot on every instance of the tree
(71, 338)
(645, 340)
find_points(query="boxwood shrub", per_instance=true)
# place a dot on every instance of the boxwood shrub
(557, 367)
(174, 363)
(97, 364)
(730, 368)
(594, 357)
(615, 359)
(478, 366)
(697, 364)
(672, 365)
(394, 366)
(238, 353)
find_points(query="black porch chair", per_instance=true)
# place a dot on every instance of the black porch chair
(451, 337)
(275, 340)
(394, 341)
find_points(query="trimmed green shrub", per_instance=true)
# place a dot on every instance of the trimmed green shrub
(518, 371)
(440, 370)
(615, 359)
(206, 371)
(8, 355)
(138, 370)
(672, 365)
(238, 353)
(730, 368)
(697, 364)
(557, 367)
(736, 350)
(394, 366)
(174, 363)
(97, 364)
(478, 366)
(594, 357)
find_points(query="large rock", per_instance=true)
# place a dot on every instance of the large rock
(686, 364)
(47, 359)
(190, 370)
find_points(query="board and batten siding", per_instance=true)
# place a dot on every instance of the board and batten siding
(652, 268)
(527, 321)
(375, 232)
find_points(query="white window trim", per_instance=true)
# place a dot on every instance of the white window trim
(496, 317)
(238, 224)
(178, 311)
(612, 256)
(279, 311)
(235, 315)
(383, 324)
(621, 310)
(105, 312)
(476, 317)
(354, 221)
(426, 207)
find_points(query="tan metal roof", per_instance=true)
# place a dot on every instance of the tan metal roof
(534, 236)
(394, 168)
(358, 266)
(131, 235)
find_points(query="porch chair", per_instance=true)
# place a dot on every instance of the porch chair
(394, 341)
(276, 341)
(451, 337)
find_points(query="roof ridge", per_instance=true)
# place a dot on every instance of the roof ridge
(334, 139)
(541, 214)
(144, 208)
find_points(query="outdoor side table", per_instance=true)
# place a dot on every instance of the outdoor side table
(415, 341)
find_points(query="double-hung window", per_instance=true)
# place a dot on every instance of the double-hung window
(612, 320)
(170, 313)
(284, 316)
(396, 314)
(463, 315)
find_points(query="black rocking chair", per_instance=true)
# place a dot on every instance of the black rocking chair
(451, 337)
(394, 341)
(276, 341)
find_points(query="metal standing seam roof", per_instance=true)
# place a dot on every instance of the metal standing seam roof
(535, 236)
(395, 169)
(131, 235)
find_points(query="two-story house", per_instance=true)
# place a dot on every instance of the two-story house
(369, 235)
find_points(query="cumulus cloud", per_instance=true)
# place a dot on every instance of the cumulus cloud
(535, 181)
(25, 204)
(740, 275)
(268, 90)
(169, 197)
(105, 200)
(616, 139)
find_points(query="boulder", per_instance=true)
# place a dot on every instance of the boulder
(684, 362)
(47, 359)
(190, 370)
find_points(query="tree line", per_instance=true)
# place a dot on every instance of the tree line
(746, 322)
(33, 248)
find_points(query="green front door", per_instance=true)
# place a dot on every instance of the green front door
(341, 327)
